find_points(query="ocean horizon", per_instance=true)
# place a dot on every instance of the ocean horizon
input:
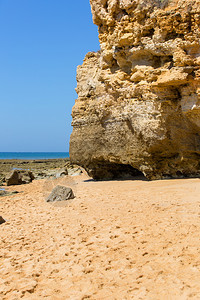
(33, 155)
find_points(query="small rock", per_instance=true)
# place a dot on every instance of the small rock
(7, 193)
(19, 177)
(60, 193)
(2, 220)
(62, 172)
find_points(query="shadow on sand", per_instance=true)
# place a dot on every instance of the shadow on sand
(123, 178)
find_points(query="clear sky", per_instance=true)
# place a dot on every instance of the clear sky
(42, 42)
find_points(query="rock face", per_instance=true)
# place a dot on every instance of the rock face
(139, 96)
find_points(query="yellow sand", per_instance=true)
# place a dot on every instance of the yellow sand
(115, 240)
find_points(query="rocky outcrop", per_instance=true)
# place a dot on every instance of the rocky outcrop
(139, 97)
(18, 177)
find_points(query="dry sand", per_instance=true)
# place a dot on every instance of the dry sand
(115, 240)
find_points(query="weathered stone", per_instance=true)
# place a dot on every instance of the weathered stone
(139, 96)
(19, 177)
(62, 172)
(60, 193)
(2, 220)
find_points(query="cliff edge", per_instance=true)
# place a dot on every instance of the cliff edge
(138, 106)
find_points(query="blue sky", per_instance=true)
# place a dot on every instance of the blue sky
(42, 42)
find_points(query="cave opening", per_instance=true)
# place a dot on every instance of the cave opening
(113, 171)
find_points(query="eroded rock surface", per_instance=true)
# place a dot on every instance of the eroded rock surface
(139, 96)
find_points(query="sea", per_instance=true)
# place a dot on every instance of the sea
(33, 155)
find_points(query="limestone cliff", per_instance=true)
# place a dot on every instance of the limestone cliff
(139, 96)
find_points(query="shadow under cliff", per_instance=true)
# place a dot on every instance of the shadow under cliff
(114, 171)
(123, 172)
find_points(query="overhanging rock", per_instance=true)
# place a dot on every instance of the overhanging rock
(139, 96)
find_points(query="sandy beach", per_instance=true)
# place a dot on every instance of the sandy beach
(115, 240)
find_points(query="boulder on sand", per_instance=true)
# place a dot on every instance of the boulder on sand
(17, 177)
(60, 193)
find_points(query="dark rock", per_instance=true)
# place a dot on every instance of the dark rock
(19, 177)
(2, 220)
(7, 193)
(60, 193)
